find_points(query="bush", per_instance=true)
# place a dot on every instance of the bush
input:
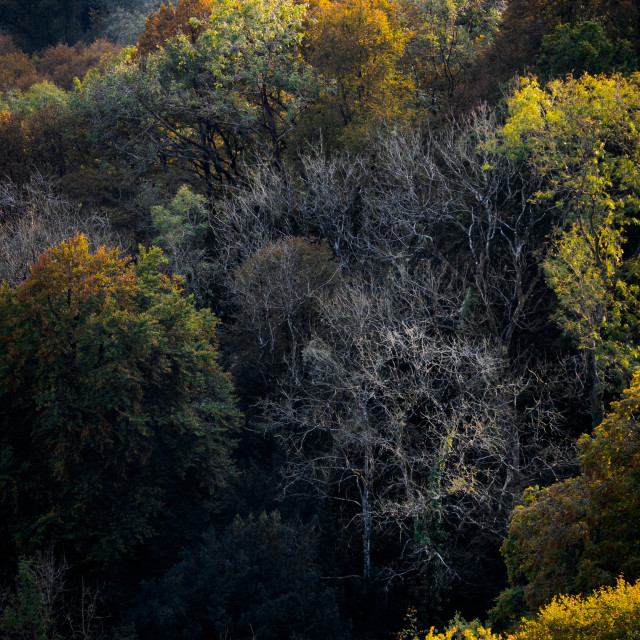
(611, 613)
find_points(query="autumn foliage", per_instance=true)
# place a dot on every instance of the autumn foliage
(610, 613)
(108, 374)
(189, 17)
(62, 64)
(358, 46)
(576, 535)
(425, 300)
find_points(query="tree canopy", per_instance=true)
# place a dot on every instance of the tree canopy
(422, 264)
(115, 413)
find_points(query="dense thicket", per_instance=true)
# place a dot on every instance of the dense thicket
(417, 223)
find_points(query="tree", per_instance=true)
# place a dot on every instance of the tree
(525, 23)
(258, 578)
(17, 70)
(35, 217)
(582, 137)
(611, 613)
(405, 426)
(182, 228)
(608, 613)
(41, 607)
(445, 196)
(584, 48)
(13, 155)
(449, 35)
(357, 47)
(484, 200)
(275, 292)
(438, 240)
(204, 104)
(62, 64)
(116, 418)
(122, 21)
(580, 534)
(189, 17)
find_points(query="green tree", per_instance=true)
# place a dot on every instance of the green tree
(116, 418)
(582, 137)
(584, 48)
(448, 36)
(32, 128)
(524, 24)
(122, 21)
(258, 578)
(203, 104)
(41, 605)
(182, 230)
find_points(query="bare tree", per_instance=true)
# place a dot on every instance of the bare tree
(401, 420)
(36, 217)
(487, 210)
(450, 198)
(43, 606)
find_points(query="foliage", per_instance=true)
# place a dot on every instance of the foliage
(115, 414)
(62, 64)
(610, 613)
(525, 23)
(41, 606)
(12, 150)
(457, 629)
(17, 70)
(182, 230)
(578, 133)
(204, 104)
(260, 576)
(584, 48)
(386, 312)
(358, 46)
(448, 36)
(189, 17)
(122, 21)
(27, 612)
(32, 131)
(579, 534)
(37, 97)
(582, 137)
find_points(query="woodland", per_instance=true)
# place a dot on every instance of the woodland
(319, 320)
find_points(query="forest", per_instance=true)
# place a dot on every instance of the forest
(319, 320)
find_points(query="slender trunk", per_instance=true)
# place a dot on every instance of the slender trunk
(366, 529)
(596, 389)
(366, 478)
